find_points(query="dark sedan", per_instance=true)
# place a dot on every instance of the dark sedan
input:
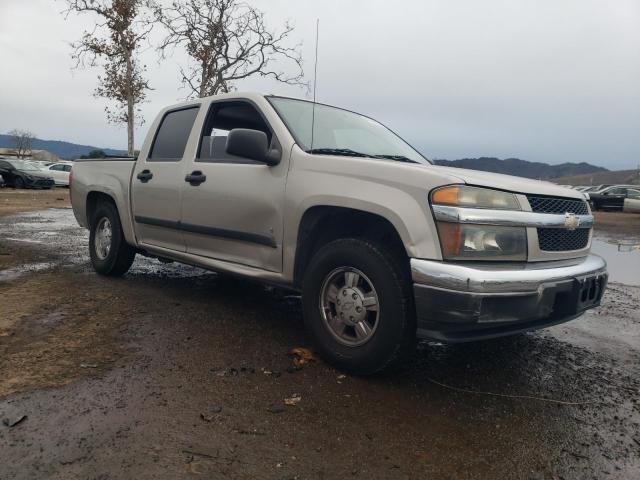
(612, 198)
(21, 174)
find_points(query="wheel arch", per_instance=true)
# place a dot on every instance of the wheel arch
(321, 224)
(94, 198)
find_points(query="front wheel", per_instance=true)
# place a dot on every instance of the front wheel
(110, 253)
(358, 306)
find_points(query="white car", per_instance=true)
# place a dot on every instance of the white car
(59, 172)
(632, 202)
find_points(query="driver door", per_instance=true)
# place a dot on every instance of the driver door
(234, 212)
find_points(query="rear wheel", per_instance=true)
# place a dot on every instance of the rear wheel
(110, 253)
(18, 182)
(358, 306)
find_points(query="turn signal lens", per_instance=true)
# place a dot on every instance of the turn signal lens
(446, 196)
(451, 238)
(474, 197)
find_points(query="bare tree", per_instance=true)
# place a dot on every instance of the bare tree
(227, 41)
(22, 141)
(114, 43)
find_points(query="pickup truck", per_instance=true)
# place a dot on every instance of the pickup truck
(384, 246)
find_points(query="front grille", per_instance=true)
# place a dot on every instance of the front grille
(561, 239)
(557, 205)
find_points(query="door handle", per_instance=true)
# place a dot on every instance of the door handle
(144, 176)
(195, 178)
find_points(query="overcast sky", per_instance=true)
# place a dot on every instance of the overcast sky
(550, 81)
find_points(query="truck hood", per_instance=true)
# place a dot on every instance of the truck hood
(508, 182)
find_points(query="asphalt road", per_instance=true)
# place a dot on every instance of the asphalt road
(174, 372)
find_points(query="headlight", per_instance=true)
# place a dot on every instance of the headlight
(474, 197)
(482, 242)
(467, 241)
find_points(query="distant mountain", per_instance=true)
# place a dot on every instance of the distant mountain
(522, 168)
(65, 150)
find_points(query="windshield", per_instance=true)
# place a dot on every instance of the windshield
(25, 166)
(341, 132)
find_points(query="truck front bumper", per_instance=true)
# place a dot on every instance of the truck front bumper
(459, 302)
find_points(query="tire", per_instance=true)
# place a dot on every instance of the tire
(18, 183)
(117, 258)
(392, 335)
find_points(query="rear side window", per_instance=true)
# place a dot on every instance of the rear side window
(172, 135)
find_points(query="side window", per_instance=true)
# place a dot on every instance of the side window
(222, 118)
(172, 135)
(67, 168)
(617, 191)
(633, 193)
(5, 165)
(59, 168)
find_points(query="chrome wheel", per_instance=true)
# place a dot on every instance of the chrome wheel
(349, 306)
(102, 242)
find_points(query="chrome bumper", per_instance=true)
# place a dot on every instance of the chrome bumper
(469, 301)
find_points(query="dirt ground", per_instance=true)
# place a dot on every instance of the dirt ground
(175, 372)
(617, 224)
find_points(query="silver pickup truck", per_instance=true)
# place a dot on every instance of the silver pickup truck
(384, 246)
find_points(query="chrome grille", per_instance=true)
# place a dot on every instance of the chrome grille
(557, 205)
(561, 239)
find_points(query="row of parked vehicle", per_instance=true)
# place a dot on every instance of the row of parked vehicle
(33, 173)
(612, 197)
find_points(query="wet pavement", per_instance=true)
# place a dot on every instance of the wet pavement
(175, 372)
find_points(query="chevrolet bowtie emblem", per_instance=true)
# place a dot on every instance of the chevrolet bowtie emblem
(571, 221)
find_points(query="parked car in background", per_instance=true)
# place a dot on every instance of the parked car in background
(632, 201)
(611, 198)
(21, 174)
(43, 163)
(595, 188)
(59, 172)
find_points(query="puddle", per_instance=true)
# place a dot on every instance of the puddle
(623, 260)
(17, 272)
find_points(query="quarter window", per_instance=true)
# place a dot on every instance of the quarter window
(173, 134)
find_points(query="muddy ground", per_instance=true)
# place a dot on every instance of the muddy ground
(174, 372)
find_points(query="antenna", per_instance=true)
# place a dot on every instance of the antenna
(315, 76)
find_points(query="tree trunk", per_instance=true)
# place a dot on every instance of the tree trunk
(203, 81)
(130, 108)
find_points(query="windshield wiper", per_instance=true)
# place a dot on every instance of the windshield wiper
(347, 152)
(398, 158)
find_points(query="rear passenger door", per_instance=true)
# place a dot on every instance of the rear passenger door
(158, 178)
(235, 213)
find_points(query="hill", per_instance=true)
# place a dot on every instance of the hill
(62, 149)
(626, 177)
(522, 168)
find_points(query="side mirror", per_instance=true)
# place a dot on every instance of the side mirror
(251, 144)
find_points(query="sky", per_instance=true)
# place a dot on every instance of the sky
(547, 80)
